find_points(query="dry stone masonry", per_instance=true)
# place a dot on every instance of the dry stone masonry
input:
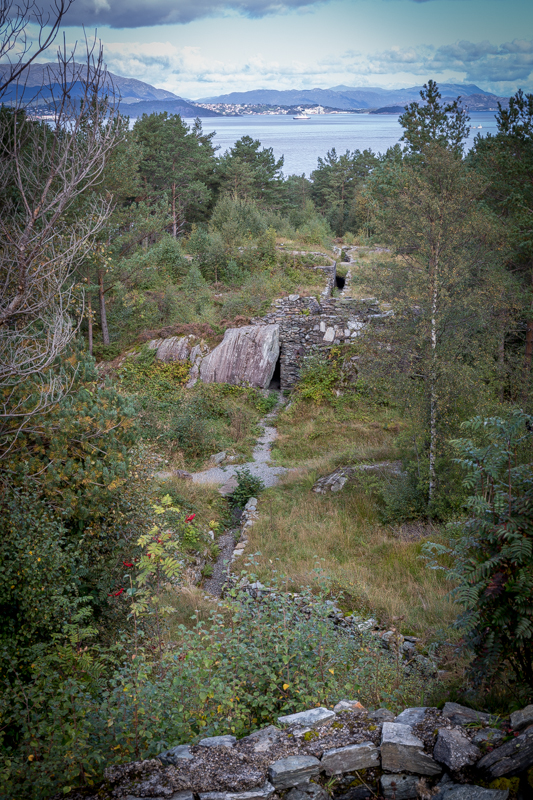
(346, 754)
(306, 325)
(295, 327)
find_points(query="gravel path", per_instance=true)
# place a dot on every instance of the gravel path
(214, 584)
(225, 476)
(260, 466)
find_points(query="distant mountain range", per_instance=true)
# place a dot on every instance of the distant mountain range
(39, 84)
(348, 98)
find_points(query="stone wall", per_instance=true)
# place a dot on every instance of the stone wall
(346, 753)
(306, 325)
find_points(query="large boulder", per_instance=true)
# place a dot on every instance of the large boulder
(246, 355)
(175, 348)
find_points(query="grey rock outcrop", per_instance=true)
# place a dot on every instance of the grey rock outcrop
(308, 791)
(175, 348)
(264, 739)
(461, 715)
(293, 770)
(346, 759)
(382, 715)
(455, 750)
(173, 756)
(491, 736)
(453, 791)
(411, 716)
(218, 741)
(337, 480)
(264, 792)
(246, 355)
(401, 751)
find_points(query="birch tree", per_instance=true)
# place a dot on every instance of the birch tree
(443, 282)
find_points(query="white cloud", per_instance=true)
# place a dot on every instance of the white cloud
(193, 72)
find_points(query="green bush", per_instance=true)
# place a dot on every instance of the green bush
(492, 552)
(81, 710)
(106, 352)
(319, 375)
(247, 486)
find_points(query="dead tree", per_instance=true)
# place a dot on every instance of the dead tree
(50, 214)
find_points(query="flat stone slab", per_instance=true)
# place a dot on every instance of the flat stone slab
(311, 718)
(512, 757)
(218, 741)
(469, 792)
(399, 787)
(401, 751)
(291, 771)
(411, 716)
(263, 739)
(172, 757)
(355, 756)
(453, 749)
(263, 792)
(519, 719)
(461, 715)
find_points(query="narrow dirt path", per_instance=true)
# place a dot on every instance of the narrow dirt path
(214, 584)
(260, 467)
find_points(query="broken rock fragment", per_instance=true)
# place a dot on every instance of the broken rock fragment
(291, 771)
(455, 750)
(401, 751)
(346, 759)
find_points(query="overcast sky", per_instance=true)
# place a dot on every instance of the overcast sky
(197, 48)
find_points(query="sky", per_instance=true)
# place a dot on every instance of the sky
(201, 48)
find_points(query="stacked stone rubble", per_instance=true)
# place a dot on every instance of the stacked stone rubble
(306, 325)
(420, 753)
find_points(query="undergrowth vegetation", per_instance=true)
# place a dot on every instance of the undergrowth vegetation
(246, 664)
(109, 649)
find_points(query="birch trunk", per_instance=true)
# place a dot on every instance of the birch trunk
(174, 221)
(103, 314)
(433, 400)
(90, 315)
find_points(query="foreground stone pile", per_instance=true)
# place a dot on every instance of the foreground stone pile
(453, 754)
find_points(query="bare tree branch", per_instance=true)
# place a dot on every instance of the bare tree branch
(15, 45)
(50, 213)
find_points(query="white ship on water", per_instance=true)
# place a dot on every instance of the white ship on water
(302, 116)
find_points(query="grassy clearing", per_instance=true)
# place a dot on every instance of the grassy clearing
(376, 571)
(368, 562)
(339, 432)
(188, 426)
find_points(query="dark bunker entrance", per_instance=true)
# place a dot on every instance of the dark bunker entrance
(275, 383)
(339, 281)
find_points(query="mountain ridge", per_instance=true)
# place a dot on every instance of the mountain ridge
(346, 97)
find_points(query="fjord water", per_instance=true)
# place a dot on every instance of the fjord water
(301, 142)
